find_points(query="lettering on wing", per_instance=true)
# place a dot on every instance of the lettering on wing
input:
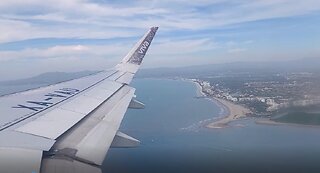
(49, 99)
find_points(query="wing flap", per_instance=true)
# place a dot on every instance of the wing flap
(13, 160)
(63, 165)
(82, 104)
(52, 124)
(57, 121)
(91, 138)
(95, 144)
(14, 139)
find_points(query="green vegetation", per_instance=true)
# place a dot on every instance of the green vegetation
(258, 106)
(299, 118)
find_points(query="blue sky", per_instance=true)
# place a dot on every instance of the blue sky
(38, 36)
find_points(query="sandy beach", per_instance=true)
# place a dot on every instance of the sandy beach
(199, 90)
(234, 111)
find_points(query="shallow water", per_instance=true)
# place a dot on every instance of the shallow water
(174, 139)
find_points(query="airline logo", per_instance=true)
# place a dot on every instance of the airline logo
(138, 55)
(144, 47)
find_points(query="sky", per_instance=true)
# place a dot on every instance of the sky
(38, 36)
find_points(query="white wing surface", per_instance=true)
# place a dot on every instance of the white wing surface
(69, 127)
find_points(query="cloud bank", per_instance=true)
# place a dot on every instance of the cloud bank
(204, 31)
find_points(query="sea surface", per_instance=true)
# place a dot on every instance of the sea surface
(174, 139)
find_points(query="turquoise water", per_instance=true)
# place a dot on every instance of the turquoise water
(174, 139)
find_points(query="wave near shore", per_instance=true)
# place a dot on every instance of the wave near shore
(230, 110)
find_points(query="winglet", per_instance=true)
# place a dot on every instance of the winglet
(137, 53)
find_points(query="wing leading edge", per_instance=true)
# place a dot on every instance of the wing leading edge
(74, 123)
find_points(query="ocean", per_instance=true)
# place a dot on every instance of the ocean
(174, 139)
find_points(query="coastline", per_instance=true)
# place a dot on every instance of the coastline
(199, 91)
(235, 112)
(232, 111)
(267, 121)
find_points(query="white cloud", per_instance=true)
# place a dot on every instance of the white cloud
(61, 52)
(176, 47)
(31, 61)
(23, 20)
(237, 50)
(113, 51)
(78, 18)
(93, 57)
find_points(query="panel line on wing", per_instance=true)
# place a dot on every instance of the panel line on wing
(42, 110)
(54, 123)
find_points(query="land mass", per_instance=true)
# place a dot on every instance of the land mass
(42, 80)
(300, 115)
(233, 111)
(264, 88)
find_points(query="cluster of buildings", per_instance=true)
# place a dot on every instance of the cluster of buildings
(271, 95)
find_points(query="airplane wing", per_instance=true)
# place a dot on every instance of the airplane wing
(69, 126)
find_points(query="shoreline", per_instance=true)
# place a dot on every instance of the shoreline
(234, 112)
(199, 91)
(267, 121)
(231, 110)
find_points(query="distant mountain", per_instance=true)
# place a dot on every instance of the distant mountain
(13, 86)
(48, 78)
(301, 65)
